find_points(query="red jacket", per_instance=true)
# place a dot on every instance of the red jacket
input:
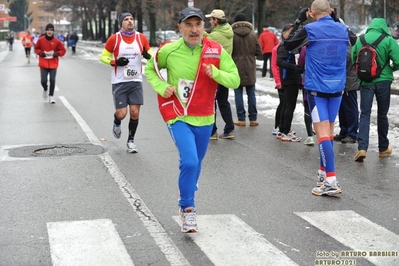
(267, 41)
(201, 103)
(27, 41)
(46, 46)
(275, 67)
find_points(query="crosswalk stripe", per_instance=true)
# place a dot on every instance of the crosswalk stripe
(157, 232)
(358, 233)
(227, 240)
(86, 243)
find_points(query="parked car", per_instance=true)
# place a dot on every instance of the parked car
(275, 31)
(147, 35)
(166, 36)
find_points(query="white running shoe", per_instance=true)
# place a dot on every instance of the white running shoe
(309, 141)
(321, 177)
(51, 100)
(131, 147)
(275, 131)
(189, 220)
(45, 95)
(327, 189)
(290, 138)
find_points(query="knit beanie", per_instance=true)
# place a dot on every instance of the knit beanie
(122, 17)
(49, 26)
(239, 17)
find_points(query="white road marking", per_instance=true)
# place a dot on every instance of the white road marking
(356, 232)
(87, 243)
(157, 232)
(227, 240)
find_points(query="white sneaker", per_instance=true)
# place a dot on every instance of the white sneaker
(321, 177)
(51, 100)
(309, 141)
(44, 94)
(275, 131)
(327, 189)
(131, 147)
(290, 138)
(189, 220)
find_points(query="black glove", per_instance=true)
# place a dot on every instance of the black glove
(145, 54)
(122, 61)
(56, 54)
(302, 16)
(334, 16)
(299, 69)
(42, 54)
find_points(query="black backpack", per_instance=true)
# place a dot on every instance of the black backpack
(367, 67)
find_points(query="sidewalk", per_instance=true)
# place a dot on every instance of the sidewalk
(96, 47)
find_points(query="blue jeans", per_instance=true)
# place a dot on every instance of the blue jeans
(252, 111)
(349, 115)
(44, 73)
(382, 92)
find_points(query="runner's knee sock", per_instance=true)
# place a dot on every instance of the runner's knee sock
(116, 120)
(327, 157)
(132, 128)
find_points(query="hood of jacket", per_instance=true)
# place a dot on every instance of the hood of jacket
(242, 28)
(378, 24)
(223, 34)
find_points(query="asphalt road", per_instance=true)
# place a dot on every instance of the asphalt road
(64, 175)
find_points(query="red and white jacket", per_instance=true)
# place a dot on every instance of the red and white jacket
(200, 101)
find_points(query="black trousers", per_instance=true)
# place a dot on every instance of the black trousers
(267, 57)
(290, 98)
(222, 100)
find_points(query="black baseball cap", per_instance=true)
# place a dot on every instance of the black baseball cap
(287, 26)
(190, 12)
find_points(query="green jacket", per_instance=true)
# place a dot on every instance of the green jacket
(387, 49)
(182, 62)
(222, 34)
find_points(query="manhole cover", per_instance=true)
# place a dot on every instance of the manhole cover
(56, 150)
(60, 151)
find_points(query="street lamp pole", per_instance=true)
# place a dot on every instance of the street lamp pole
(385, 10)
(24, 17)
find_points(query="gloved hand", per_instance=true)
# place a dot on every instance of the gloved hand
(145, 54)
(42, 54)
(299, 69)
(56, 54)
(302, 16)
(122, 61)
(334, 15)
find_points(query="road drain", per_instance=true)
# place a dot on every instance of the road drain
(56, 150)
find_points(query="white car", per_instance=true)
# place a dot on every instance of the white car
(166, 36)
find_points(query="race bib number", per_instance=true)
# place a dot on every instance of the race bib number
(130, 73)
(48, 55)
(184, 89)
